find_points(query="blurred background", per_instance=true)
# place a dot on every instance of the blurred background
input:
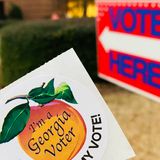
(34, 31)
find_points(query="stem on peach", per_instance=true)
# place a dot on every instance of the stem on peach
(18, 97)
(43, 84)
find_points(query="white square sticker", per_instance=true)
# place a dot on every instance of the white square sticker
(56, 113)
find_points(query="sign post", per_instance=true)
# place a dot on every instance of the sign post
(128, 40)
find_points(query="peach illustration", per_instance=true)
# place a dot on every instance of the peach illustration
(55, 131)
(52, 130)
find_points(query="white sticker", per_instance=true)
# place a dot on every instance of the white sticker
(56, 113)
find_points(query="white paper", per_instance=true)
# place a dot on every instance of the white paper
(106, 143)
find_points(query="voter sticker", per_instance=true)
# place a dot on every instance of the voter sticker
(57, 116)
(128, 45)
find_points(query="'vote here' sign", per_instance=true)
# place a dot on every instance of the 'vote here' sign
(128, 39)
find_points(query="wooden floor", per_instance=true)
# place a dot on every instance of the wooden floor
(138, 117)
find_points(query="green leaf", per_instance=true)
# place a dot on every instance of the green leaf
(64, 92)
(49, 89)
(15, 122)
(43, 95)
(43, 98)
(36, 91)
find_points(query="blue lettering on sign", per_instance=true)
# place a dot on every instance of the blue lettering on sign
(140, 68)
(126, 66)
(143, 14)
(152, 74)
(131, 67)
(133, 15)
(119, 19)
(155, 22)
(115, 18)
